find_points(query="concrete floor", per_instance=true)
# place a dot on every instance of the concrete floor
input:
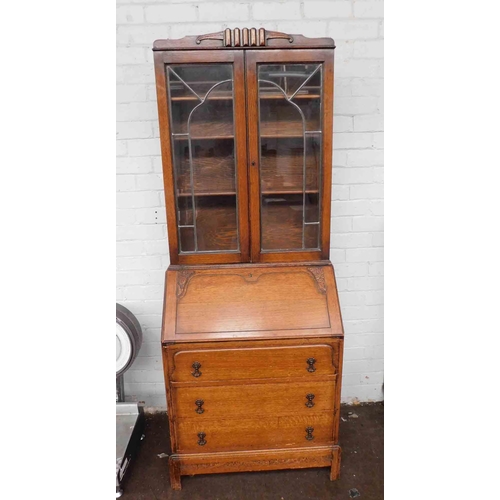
(361, 473)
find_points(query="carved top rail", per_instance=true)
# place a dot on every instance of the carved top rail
(243, 39)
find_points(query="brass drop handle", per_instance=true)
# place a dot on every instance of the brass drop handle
(309, 398)
(199, 404)
(196, 365)
(201, 440)
(309, 431)
(311, 367)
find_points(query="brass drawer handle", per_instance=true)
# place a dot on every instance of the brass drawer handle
(311, 362)
(309, 398)
(196, 365)
(201, 440)
(199, 404)
(309, 431)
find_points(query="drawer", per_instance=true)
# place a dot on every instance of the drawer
(197, 436)
(309, 361)
(297, 398)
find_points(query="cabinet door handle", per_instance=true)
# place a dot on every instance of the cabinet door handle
(311, 367)
(201, 440)
(309, 398)
(199, 404)
(309, 431)
(196, 365)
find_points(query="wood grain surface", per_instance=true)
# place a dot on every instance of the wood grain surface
(254, 399)
(239, 461)
(250, 302)
(277, 236)
(247, 362)
(252, 336)
(254, 433)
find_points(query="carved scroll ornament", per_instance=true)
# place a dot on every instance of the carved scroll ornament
(319, 275)
(183, 278)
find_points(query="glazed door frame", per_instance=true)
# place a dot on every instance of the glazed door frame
(289, 56)
(237, 59)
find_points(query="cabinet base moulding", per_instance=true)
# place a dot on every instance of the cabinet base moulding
(247, 461)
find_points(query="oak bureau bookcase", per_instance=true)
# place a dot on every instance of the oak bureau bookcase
(252, 335)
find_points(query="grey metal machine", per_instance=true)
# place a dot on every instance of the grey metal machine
(129, 416)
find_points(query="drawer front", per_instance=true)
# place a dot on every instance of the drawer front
(195, 436)
(201, 365)
(298, 398)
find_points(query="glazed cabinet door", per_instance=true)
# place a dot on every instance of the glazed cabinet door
(201, 107)
(290, 108)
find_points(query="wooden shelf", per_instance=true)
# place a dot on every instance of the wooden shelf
(215, 176)
(213, 97)
(216, 226)
(210, 175)
(279, 95)
(276, 192)
(225, 97)
(276, 130)
(203, 194)
(204, 138)
(285, 129)
(284, 172)
(282, 227)
(209, 130)
(223, 129)
(306, 93)
(212, 120)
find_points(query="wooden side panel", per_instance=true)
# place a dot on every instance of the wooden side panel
(335, 469)
(169, 305)
(338, 388)
(327, 118)
(171, 409)
(211, 463)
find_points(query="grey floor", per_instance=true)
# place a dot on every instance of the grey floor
(361, 438)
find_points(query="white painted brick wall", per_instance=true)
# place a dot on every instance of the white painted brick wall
(357, 220)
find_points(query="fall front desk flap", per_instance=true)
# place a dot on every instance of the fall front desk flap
(260, 302)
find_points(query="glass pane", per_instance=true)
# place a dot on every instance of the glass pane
(290, 156)
(202, 126)
(281, 218)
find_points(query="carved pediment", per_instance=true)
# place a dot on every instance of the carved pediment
(245, 37)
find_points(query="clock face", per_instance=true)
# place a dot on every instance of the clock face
(123, 348)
